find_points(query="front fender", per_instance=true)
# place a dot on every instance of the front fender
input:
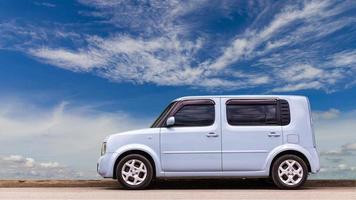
(137, 147)
(286, 147)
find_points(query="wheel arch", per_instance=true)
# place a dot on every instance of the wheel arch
(290, 152)
(135, 151)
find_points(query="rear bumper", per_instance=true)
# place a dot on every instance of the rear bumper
(314, 160)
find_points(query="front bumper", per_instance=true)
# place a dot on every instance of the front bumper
(104, 166)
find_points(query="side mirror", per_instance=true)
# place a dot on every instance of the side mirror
(170, 121)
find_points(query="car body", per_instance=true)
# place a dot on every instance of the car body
(227, 136)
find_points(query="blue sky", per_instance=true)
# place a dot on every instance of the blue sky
(80, 70)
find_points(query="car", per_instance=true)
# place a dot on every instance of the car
(242, 136)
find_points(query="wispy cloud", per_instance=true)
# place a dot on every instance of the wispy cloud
(21, 36)
(246, 44)
(157, 43)
(149, 18)
(344, 59)
(45, 4)
(76, 61)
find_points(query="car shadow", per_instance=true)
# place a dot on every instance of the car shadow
(213, 184)
(208, 184)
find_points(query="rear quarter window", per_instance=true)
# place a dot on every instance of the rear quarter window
(252, 114)
(257, 112)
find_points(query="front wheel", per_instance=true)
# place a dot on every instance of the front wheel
(289, 172)
(134, 172)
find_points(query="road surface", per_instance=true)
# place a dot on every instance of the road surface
(86, 193)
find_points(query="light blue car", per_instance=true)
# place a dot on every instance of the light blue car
(218, 137)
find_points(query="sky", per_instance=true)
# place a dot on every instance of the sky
(73, 72)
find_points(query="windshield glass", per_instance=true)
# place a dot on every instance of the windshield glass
(157, 121)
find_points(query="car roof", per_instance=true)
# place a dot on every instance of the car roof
(240, 97)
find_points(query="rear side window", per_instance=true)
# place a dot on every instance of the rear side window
(195, 115)
(254, 113)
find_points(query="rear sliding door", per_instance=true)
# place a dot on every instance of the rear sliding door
(250, 130)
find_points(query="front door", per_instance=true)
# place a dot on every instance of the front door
(251, 130)
(193, 143)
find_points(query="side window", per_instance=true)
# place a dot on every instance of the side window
(195, 115)
(252, 114)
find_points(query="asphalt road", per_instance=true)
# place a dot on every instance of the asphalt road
(111, 193)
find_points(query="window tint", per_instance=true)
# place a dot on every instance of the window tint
(195, 115)
(252, 114)
(160, 117)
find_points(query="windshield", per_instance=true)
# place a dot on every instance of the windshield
(162, 115)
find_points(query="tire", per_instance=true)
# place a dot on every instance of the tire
(134, 172)
(292, 174)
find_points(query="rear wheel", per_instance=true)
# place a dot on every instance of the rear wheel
(289, 172)
(134, 172)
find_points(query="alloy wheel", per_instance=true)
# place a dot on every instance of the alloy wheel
(290, 172)
(134, 172)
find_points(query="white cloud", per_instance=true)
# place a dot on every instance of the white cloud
(332, 153)
(339, 171)
(346, 149)
(246, 44)
(82, 61)
(335, 131)
(45, 4)
(346, 167)
(298, 86)
(304, 76)
(336, 143)
(164, 61)
(332, 113)
(68, 134)
(151, 18)
(349, 147)
(49, 164)
(19, 167)
(161, 44)
(344, 59)
(18, 36)
(295, 70)
(299, 76)
(301, 72)
(18, 119)
(66, 138)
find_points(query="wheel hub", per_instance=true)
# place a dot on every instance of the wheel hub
(290, 172)
(134, 172)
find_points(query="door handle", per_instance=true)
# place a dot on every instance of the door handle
(212, 134)
(273, 134)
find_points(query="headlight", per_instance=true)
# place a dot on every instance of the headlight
(103, 148)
